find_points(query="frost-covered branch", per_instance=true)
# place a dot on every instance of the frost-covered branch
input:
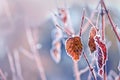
(32, 44)
(18, 65)
(111, 21)
(12, 67)
(2, 76)
(26, 53)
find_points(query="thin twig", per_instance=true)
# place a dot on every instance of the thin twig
(2, 75)
(18, 65)
(67, 25)
(36, 56)
(82, 20)
(90, 68)
(12, 67)
(86, 68)
(103, 34)
(89, 21)
(68, 33)
(9, 15)
(93, 62)
(78, 72)
(83, 70)
(103, 22)
(103, 25)
(111, 21)
(26, 53)
(91, 18)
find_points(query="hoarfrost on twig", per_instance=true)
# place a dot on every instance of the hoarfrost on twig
(32, 44)
(18, 65)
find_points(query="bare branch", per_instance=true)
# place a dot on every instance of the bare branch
(26, 53)
(68, 33)
(36, 56)
(82, 20)
(83, 70)
(91, 18)
(18, 65)
(90, 68)
(89, 21)
(2, 75)
(103, 22)
(12, 67)
(86, 68)
(111, 21)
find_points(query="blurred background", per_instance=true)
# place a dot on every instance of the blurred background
(26, 28)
